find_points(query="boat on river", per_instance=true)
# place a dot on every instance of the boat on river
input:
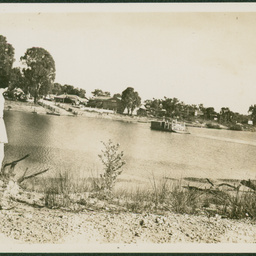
(170, 126)
(53, 113)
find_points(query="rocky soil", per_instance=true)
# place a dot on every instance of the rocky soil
(27, 224)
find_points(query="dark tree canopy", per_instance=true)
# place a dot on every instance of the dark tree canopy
(6, 61)
(39, 71)
(16, 79)
(70, 89)
(117, 95)
(225, 115)
(99, 92)
(56, 89)
(130, 99)
(252, 111)
(210, 113)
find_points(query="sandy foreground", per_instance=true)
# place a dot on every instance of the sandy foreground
(24, 224)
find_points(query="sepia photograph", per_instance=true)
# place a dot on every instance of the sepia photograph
(127, 127)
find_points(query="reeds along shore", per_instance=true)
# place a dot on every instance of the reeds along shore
(65, 191)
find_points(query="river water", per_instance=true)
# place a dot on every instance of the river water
(66, 143)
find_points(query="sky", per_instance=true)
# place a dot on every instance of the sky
(197, 57)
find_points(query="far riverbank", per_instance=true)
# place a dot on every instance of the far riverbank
(69, 110)
(64, 109)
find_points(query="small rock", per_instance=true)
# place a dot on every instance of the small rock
(142, 222)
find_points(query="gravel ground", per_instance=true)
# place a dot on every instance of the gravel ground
(29, 225)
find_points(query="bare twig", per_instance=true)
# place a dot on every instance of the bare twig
(210, 182)
(24, 174)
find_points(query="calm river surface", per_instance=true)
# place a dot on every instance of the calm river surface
(64, 143)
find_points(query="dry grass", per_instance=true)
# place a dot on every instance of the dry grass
(160, 196)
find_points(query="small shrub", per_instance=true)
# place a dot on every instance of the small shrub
(213, 126)
(184, 201)
(57, 191)
(112, 161)
(242, 205)
(160, 191)
(235, 127)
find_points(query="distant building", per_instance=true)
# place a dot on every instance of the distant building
(49, 97)
(104, 102)
(250, 122)
(199, 113)
(69, 98)
(142, 111)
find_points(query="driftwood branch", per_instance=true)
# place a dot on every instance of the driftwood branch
(216, 186)
(13, 164)
(228, 185)
(193, 188)
(34, 204)
(20, 180)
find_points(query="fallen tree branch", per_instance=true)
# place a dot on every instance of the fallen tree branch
(228, 185)
(20, 180)
(216, 186)
(194, 188)
(34, 204)
(12, 164)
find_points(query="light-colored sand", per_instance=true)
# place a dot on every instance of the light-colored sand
(29, 225)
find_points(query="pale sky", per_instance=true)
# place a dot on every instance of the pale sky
(207, 58)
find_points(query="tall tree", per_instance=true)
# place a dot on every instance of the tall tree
(172, 106)
(6, 61)
(39, 71)
(252, 111)
(81, 93)
(226, 115)
(209, 113)
(130, 99)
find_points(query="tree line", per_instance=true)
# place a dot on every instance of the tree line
(37, 75)
(174, 108)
